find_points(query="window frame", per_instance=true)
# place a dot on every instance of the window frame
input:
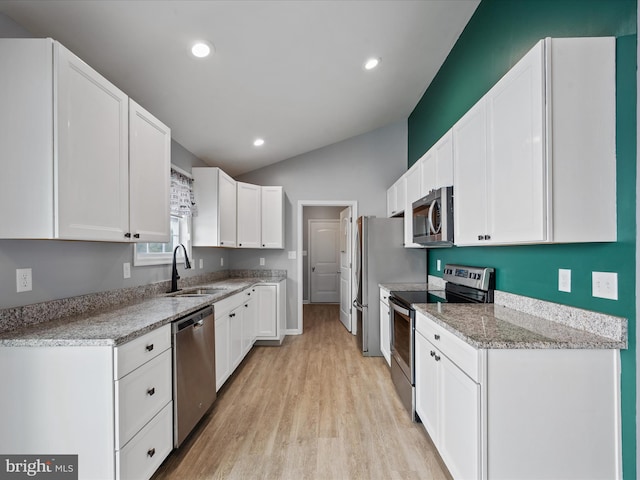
(166, 258)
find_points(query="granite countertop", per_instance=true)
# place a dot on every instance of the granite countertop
(115, 326)
(492, 326)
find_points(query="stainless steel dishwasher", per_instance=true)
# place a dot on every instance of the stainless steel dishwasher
(194, 370)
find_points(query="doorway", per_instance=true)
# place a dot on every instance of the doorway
(330, 254)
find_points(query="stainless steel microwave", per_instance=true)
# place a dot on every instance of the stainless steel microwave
(433, 218)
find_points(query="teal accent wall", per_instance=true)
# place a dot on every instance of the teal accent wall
(497, 36)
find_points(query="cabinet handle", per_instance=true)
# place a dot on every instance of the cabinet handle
(246, 305)
(221, 243)
(151, 452)
(487, 237)
(436, 336)
(239, 244)
(480, 237)
(149, 347)
(437, 357)
(231, 315)
(263, 245)
(151, 391)
(432, 353)
(127, 235)
(136, 235)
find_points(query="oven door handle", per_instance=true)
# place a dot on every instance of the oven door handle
(399, 309)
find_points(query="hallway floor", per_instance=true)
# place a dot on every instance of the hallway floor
(313, 408)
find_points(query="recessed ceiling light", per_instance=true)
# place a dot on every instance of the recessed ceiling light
(258, 142)
(371, 63)
(201, 49)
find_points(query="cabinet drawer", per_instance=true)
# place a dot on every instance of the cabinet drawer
(384, 296)
(140, 395)
(229, 303)
(146, 451)
(457, 350)
(132, 354)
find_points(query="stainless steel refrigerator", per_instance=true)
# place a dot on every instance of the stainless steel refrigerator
(381, 258)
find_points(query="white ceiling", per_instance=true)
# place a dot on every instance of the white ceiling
(288, 71)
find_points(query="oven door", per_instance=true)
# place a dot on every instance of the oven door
(402, 331)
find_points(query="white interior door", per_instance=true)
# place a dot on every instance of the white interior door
(324, 261)
(345, 267)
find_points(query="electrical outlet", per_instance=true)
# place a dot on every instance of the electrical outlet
(604, 285)
(564, 280)
(438, 264)
(201, 263)
(262, 261)
(126, 270)
(23, 280)
(222, 261)
(292, 255)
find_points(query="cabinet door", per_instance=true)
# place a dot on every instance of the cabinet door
(427, 387)
(249, 213)
(272, 217)
(227, 210)
(385, 333)
(249, 319)
(149, 172)
(469, 180)
(223, 367)
(93, 155)
(516, 169)
(267, 310)
(428, 164)
(459, 437)
(444, 161)
(235, 337)
(413, 186)
(391, 200)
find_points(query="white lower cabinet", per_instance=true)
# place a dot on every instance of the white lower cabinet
(510, 414)
(271, 312)
(385, 326)
(110, 406)
(448, 402)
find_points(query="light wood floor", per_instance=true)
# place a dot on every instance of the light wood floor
(313, 408)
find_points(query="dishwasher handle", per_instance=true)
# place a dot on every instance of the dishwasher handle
(196, 319)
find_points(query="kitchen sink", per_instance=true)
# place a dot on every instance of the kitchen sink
(197, 292)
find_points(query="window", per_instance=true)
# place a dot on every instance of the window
(182, 207)
(162, 253)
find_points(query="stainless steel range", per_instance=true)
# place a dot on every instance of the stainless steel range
(464, 285)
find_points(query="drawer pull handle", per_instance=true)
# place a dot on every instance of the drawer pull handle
(436, 336)
(432, 353)
(437, 357)
(149, 347)
(151, 452)
(151, 391)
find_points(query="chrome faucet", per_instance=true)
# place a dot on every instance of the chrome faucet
(174, 273)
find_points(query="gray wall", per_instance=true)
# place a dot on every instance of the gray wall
(358, 169)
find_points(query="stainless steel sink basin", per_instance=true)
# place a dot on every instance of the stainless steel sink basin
(197, 292)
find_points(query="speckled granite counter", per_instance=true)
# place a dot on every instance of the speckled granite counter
(494, 326)
(518, 322)
(115, 326)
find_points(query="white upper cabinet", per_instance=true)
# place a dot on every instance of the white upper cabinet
(437, 165)
(535, 157)
(215, 196)
(149, 176)
(249, 215)
(65, 129)
(236, 214)
(272, 207)
(397, 197)
(413, 193)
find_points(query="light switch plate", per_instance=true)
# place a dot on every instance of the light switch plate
(292, 255)
(222, 261)
(262, 261)
(438, 264)
(564, 280)
(605, 285)
(126, 270)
